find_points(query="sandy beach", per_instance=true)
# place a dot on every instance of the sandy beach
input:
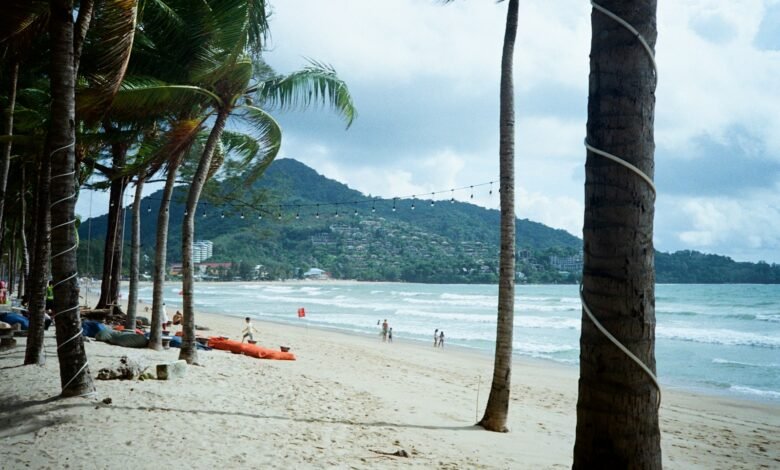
(346, 402)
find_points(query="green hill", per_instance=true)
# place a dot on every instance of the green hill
(446, 242)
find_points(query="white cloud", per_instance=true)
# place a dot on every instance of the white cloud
(705, 87)
(744, 229)
(557, 211)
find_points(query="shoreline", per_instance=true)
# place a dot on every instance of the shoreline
(713, 392)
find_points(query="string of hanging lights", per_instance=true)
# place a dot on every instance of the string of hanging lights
(332, 209)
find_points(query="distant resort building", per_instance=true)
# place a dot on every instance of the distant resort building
(315, 273)
(567, 263)
(203, 270)
(201, 251)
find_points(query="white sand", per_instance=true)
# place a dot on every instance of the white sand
(344, 398)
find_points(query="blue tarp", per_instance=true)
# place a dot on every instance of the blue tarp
(176, 343)
(91, 327)
(14, 318)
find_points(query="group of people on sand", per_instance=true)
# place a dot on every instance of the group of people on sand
(387, 332)
(438, 338)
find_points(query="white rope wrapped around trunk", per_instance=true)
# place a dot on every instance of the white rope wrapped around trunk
(75, 274)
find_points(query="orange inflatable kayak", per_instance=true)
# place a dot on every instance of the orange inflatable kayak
(247, 349)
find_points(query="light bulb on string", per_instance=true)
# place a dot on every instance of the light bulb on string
(204, 214)
(337, 214)
(186, 213)
(356, 213)
(490, 193)
(222, 216)
(452, 199)
(297, 215)
(279, 214)
(433, 203)
(242, 216)
(259, 216)
(412, 205)
(413, 196)
(394, 204)
(149, 209)
(317, 215)
(472, 192)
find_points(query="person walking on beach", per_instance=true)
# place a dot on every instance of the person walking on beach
(436, 338)
(390, 335)
(385, 327)
(248, 329)
(441, 339)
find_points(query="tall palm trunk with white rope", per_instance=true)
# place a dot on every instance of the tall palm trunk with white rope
(617, 407)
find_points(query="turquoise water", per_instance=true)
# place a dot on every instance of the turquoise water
(712, 338)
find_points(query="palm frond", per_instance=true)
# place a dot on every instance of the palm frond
(268, 136)
(242, 26)
(22, 18)
(242, 146)
(315, 84)
(141, 99)
(109, 43)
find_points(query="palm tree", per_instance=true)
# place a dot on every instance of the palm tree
(8, 129)
(135, 254)
(617, 407)
(497, 407)
(39, 273)
(179, 139)
(75, 376)
(228, 75)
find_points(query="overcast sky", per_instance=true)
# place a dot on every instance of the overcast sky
(425, 77)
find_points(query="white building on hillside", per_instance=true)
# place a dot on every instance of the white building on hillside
(201, 251)
(315, 273)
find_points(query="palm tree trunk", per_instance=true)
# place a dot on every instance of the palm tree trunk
(33, 229)
(39, 273)
(86, 8)
(112, 254)
(188, 351)
(617, 413)
(75, 377)
(497, 407)
(135, 255)
(155, 336)
(25, 268)
(8, 129)
(12, 256)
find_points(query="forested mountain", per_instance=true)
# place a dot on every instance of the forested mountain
(274, 223)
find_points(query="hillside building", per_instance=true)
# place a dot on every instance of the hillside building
(201, 251)
(315, 273)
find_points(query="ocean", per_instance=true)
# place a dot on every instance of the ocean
(717, 339)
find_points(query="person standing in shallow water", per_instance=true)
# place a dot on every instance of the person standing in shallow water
(436, 338)
(385, 327)
(441, 339)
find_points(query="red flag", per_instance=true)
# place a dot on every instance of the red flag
(301, 312)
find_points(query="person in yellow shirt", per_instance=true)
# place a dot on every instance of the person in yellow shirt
(50, 297)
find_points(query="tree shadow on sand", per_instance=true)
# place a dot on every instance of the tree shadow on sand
(19, 407)
(20, 417)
